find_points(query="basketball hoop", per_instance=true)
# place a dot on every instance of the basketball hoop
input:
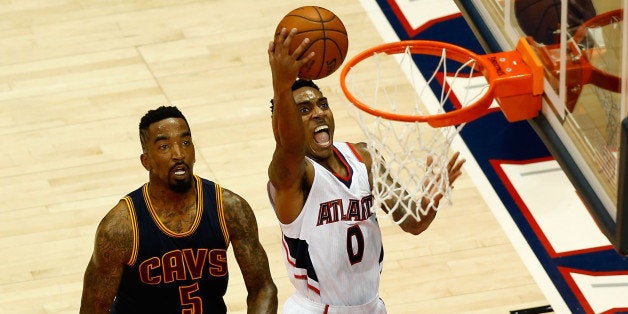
(411, 100)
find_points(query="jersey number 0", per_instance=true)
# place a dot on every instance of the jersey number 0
(355, 255)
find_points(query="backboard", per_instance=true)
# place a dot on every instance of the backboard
(583, 48)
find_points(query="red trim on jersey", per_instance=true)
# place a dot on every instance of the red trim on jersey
(299, 277)
(285, 248)
(309, 286)
(326, 309)
(355, 152)
(346, 178)
(313, 289)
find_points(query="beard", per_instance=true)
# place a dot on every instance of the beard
(181, 186)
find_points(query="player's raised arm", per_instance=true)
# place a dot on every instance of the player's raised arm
(286, 171)
(286, 122)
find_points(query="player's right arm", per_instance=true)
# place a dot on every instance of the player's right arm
(112, 248)
(288, 167)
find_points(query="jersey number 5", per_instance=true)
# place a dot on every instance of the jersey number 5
(190, 304)
(355, 255)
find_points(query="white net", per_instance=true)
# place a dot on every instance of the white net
(410, 159)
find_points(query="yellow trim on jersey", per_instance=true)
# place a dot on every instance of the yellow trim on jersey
(221, 214)
(162, 226)
(136, 231)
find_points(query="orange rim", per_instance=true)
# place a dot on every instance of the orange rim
(434, 48)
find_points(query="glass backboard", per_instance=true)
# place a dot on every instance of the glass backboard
(581, 44)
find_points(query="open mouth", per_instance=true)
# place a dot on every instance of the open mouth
(321, 135)
(179, 170)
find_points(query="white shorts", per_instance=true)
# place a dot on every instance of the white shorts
(298, 304)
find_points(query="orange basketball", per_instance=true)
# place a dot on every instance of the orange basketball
(328, 39)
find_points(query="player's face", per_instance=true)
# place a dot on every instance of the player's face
(318, 121)
(169, 156)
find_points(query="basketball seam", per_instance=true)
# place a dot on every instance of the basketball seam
(328, 30)
(312, 20)
(315, 21)
(320, 17)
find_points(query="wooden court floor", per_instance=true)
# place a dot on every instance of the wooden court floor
(75, 78)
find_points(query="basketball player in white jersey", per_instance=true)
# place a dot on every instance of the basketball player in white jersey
(321, 193)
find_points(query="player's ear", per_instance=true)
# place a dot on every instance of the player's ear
(144, 160)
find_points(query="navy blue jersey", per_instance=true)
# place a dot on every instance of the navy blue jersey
(171, 272)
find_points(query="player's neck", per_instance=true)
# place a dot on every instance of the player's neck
(164, 198)
(176, 211)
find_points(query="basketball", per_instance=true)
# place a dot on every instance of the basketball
(328, 39)
(540, 19)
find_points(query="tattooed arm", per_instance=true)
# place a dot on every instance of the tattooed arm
(251, 257)
(112, 249)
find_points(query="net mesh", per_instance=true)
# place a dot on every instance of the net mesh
(410, 159)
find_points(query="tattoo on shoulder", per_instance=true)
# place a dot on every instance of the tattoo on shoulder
(238, 215)
(115, 234)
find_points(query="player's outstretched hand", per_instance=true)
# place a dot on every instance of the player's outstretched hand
(432, 197)
(285, 65)
(433, 194)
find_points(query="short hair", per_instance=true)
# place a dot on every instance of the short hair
(296, 85)
(155, 115)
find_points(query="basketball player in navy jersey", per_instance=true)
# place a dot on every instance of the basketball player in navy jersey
(321, 192)
(163, 247)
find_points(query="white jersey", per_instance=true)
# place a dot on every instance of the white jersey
(334, 247)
